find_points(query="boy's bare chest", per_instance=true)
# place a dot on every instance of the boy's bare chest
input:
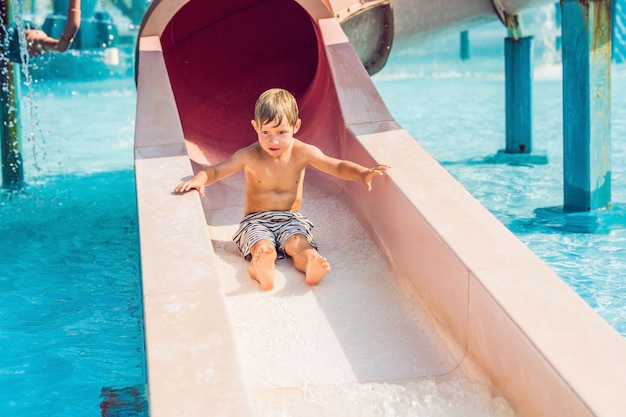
(275, 177)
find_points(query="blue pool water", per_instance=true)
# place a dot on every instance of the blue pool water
(70, 289)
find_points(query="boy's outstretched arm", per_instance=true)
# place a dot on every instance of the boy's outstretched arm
(212, 174)
(346, 170)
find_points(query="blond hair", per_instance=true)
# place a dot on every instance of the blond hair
(274, 104)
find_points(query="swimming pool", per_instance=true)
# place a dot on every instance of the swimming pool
(70, 289)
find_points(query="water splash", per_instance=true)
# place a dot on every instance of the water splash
(35, 137)
(547, 42)
(17, 31)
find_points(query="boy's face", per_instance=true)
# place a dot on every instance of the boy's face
(276, 139)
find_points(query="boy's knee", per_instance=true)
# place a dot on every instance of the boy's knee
(263, 248)
(297, 243)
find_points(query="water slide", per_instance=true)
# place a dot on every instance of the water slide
(426, 285)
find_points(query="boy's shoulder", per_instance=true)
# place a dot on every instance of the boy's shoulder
(247, 151)
(301, 146)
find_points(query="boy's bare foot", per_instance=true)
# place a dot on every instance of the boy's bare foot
(262, 269)
(316, 268)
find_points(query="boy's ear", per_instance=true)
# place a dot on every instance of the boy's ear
(253, 122)
(297, 126)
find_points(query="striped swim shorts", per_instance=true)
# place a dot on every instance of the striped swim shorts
(274, 226)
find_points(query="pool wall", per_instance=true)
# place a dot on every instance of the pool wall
(505, 313)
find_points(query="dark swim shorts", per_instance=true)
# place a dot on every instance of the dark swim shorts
(274, 226)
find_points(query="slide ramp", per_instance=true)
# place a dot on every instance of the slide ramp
(357, 327)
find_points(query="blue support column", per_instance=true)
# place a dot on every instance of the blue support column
(465, 46)
(12, 167)
(518, 54)
(586, 49)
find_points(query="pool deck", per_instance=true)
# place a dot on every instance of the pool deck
(498, 310)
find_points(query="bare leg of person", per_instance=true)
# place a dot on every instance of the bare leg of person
(307, 259)
(262, 264)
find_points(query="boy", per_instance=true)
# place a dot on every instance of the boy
(274, 169)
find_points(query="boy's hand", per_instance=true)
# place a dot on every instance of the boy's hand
(373, 172)
(193, 183)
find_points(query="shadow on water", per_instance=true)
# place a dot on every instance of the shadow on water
(504, 158)
(555, 219)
